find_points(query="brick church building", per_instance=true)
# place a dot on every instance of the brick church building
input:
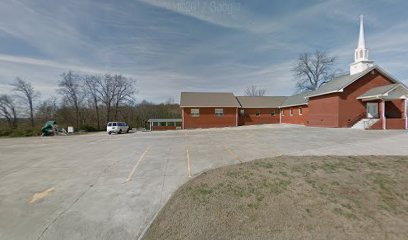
(367, 98)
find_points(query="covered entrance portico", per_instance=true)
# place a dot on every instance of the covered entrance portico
(388, 104)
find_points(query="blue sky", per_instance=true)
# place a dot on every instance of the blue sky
(170, 46)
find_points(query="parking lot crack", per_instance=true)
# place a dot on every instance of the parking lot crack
(164, 175)
(63, 212)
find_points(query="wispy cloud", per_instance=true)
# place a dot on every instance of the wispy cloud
(173, 45)
(47, 63)
(225, 13)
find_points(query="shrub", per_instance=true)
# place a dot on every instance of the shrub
(89, 128)
(25, 132)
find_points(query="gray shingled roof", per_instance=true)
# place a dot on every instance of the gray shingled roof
(388, 92)
(378, 91)
(165, 120)
(296, 100)
(341, 82)
(261, 102)
(208, 99)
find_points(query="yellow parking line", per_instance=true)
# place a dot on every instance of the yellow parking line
(188, 160)
(40, 195)
(233, 154)
(137, 164)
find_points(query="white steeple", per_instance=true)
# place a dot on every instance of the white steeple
(361, 61)
(361, 40)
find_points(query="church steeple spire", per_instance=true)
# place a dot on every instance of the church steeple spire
(361, 40)
(361, 61)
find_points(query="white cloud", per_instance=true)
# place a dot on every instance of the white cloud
(225, 13)
(46, 63)
(166, 52)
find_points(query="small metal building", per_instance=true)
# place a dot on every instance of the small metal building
(164, 124)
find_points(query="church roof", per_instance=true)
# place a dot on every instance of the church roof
(378, 91)
(208, 99)
(391, 91)
(296, 100)
(261, 102)
(341, 82)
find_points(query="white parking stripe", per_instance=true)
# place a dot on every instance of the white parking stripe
(137, 164)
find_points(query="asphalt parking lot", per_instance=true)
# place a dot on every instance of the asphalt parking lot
(98, 186)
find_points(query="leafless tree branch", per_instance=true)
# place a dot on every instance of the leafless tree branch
(254, 91)
(313, 70)
(25, 91)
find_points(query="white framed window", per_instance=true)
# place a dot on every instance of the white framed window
(219, 112)
(291, 111)
(258, 113)
(273, 112)
(195, 112)
(300, 111)
(283, 112)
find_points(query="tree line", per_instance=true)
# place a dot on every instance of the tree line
(84, 100)
(89, 101)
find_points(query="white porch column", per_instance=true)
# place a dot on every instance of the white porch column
(405, 114)
(383, 119)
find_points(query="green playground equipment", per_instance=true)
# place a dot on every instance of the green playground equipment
(49, 128)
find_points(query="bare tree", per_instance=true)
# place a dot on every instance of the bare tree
(125, 89)
(106, 89)
(71, 89)
(26, 92)
(91, 83)
(47, 109)
(170, 100)
(313, 70)
(8, 110)
(254, 91)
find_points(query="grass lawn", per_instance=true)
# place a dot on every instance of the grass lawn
(327, 197)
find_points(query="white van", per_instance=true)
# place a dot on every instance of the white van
(117, 127)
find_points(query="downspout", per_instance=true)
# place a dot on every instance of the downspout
(236, 117)
(182, 118)
(406, 114)
(280, 116)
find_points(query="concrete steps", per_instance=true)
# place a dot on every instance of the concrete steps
(365, 123)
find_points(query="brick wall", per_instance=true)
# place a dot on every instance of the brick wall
(394, 109)
(207, 118)
(391, 123)
(296, 118)
(342, 109)
(265, 116)
(395, 123)
(163, 128)
(324, 111)
(349, 106)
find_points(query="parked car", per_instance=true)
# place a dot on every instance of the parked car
(117, 127)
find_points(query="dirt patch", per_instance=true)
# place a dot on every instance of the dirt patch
(326, 197)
